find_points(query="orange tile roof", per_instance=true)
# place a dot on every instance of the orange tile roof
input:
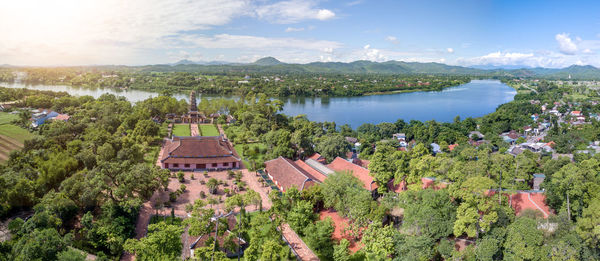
(317, 157)
(339, 164)
(313, 172)
(452, 146)
(287, 174)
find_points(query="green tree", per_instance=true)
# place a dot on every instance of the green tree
(318, 238)
(163, 242)
(301, 215)
(523, 240)
(41, 244)
(588, 226)
(478, 211)
(379, 240)
(332, 146)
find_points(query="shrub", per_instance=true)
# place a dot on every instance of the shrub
(180, 176)
(182, 188)
(230, 174)
(192, 177)
(172, 196)
(202, 194)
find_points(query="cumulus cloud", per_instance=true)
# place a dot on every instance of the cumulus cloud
(534, 59)
(293, 11)
(565, 44)
(450, 50)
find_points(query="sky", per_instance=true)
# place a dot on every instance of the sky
(506, 33)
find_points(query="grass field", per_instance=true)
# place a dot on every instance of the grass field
(251, 147)
(11, 138)
(208, 130)
(182, 130)
(6, 118)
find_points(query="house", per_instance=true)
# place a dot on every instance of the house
(537, 180)
(199, 153)
(286, 174)
(451, 147)
(576, 113)
(534, 117)
(318, 158)
(476, 134)
(351, 140)
(342, 165)
(40, 117)
(510, 137)
(435, 148)
(399, 136)
(62, 117)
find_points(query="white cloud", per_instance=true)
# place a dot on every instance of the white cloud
(533, 59)
(294, 29)
(392, 39)
(450, 50)
(565, 44)
(41, 32)
(293, 11)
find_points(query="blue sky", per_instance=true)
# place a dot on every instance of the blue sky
(136, 32)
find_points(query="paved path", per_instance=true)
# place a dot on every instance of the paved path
(194, 130)
(296, 243)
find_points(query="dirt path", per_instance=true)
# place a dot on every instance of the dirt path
(296, 243)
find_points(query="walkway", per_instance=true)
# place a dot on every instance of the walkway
(297, 245)
(194, 130)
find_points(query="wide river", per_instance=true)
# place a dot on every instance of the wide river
(473, 99)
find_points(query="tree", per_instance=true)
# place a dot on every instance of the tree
(340, 251)
(71, 255)
(588, 226)
(345, 193)
(318, 238)
(523, 240)
(42, 244)
(163, 242)
(212, 185)
(477, 212)
(332, 146)
(301, 215)
(378, 239)
(429, 212)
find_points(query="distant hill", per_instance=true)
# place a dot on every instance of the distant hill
(267, 61)
(274, 66)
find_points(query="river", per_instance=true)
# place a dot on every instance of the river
(473, 99)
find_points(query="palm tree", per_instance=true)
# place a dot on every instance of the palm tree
(212, 185)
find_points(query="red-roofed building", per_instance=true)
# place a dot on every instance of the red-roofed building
(313, 172)
(339, 164)
(62, 117)
(576, 113)
(287, 174)
(193, 153)
(318, 158)
(451, 147)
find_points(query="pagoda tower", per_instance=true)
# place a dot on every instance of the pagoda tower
(193, 106)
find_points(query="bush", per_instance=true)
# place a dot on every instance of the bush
(181, 176)
(189, 208)
(172, 196)
(202, 194)
(230, 174)
(205, 174)
(192, 177)
(182, 188)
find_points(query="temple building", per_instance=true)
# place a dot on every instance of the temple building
(199, 153)
(194, 116)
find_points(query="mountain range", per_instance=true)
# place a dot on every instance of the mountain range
(272, 65)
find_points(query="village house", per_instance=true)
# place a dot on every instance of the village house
(199, 153)
(342, 165)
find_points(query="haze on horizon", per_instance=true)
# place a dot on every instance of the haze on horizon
(138, 32)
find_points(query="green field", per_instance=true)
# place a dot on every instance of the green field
(208, 130)
(11, 138)
(182, 130)
(258, 157)
(6, 118)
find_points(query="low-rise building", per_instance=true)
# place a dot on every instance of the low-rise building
(199, 153)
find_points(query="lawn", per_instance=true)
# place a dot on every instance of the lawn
(6, 118)
(182, 130)
(15, 132)
(254, 152)
(208, 130)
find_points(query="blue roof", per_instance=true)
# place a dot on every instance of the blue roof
(539, 175)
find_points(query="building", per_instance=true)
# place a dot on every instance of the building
(40, 117)
(286, 174)
(537, 180)
(199, 153)
(342, 165)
